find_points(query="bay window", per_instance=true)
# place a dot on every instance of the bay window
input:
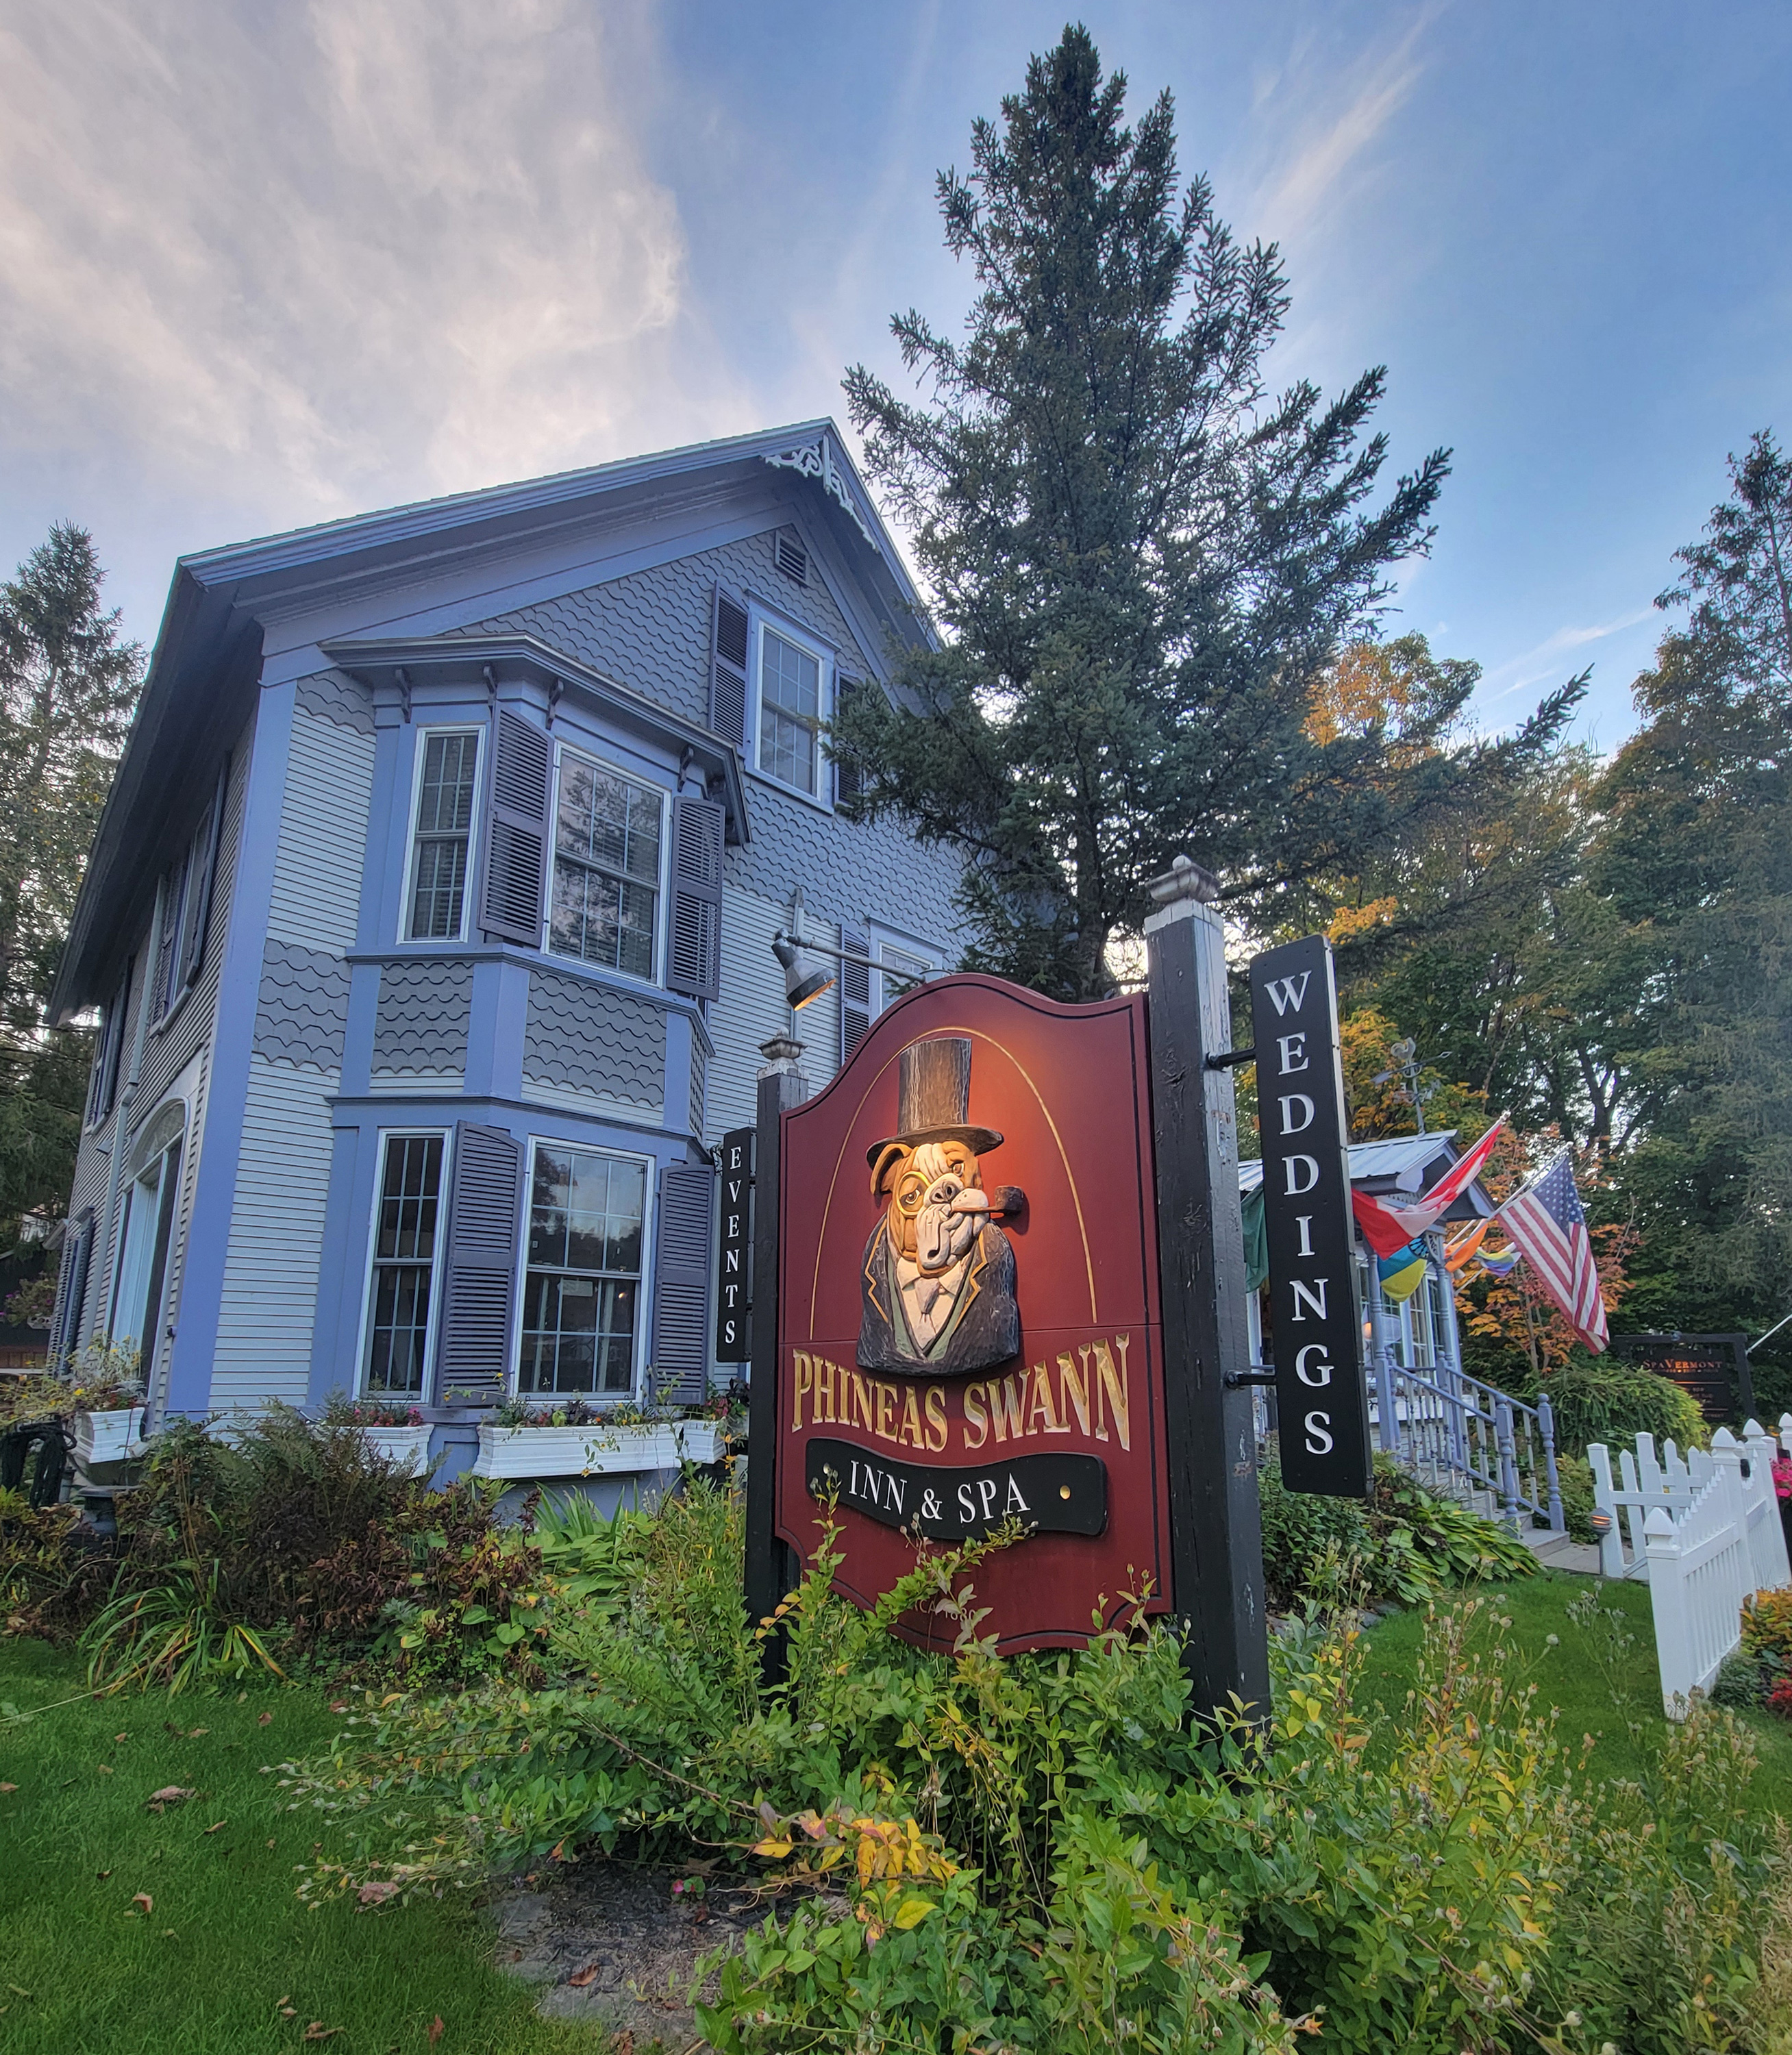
(608, 832)
(582, 1286)
(441, 840)
(401, 1288)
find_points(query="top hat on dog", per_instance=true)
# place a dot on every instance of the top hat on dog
(934, 1099)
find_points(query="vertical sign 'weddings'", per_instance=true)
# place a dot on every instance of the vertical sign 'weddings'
(1306, 1206)
(734, 1238)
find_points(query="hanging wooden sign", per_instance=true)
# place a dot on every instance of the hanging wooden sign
(968, 1330)
(1320, 1401)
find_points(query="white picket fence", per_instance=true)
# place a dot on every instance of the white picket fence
(1710, 1534)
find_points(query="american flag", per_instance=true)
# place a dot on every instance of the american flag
(1546, 1226)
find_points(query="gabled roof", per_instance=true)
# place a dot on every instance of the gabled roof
(206, 666)
(1399, 1168)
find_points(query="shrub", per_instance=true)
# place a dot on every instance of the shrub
(1612, 1402)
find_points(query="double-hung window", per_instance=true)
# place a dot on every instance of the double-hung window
(582, 1276)
(401, 1291)
(186, 908)
(793, 694)
(441, 842)
(608, 831)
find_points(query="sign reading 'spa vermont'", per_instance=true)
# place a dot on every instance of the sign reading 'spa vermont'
(969, 1332)
(1320, 1404)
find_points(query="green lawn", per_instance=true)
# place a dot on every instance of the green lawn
(1569, 1674)
(204, 1968)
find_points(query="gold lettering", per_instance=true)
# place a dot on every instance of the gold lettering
(824, 1390)
(1008, 1406)
(805, 1382)
(975, 1416)
(911, 1431)
(1043, 1403)
(859, 1412)
(886, 1428)
(1076, 1388)
(1113, 1389)
(935, 1403)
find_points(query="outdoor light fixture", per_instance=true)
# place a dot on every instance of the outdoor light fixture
(1600, 1523)
(803, 979)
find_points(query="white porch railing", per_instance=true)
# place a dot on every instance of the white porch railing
(1457, 1434)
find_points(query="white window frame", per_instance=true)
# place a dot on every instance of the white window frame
(167, 1195)
(764, 622)
(649, 1224)
(663, 887)
(882, 935)
(364, 1339)
(419, 752)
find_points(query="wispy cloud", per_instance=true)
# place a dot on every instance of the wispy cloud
(1535, 665)
(351, 250)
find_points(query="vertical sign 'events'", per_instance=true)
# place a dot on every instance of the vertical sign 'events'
(733, 1329)
(1320, 1395)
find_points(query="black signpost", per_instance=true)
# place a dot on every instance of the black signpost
(1712, 1370)
(1319, 1396)
(734, 1341)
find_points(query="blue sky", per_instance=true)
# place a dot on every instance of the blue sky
(260, 266)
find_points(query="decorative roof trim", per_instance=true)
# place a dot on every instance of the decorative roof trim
(815, 460)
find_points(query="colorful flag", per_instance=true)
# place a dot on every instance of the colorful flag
(1462, 1246)
(1387, 1229)
(1501, 1262)
(1545, 1224)
(1401, 1273)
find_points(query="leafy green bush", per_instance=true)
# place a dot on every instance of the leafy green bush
(1612, 1402)
(1405, 1543)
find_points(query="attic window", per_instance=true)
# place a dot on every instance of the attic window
(793, 559)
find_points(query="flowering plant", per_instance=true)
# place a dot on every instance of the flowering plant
(1783, 1477)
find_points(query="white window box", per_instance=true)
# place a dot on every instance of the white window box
(113, 1436)
(408, 1447)
(595, 1450)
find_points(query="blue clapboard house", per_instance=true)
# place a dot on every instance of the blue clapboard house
(429, 928)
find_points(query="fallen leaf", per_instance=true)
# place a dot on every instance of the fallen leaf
(100, 1875)
(588, 1975)
(105, 1770)
(143, 1898)
(435, 2030)
(123, 1737)
(266, 1720)
(317, 2031)
(171, 1794)
(289, 2012)
(336, 1706)
(271, 1843)
(217, 1824)
(377, 1893)
(193, 1733)
(8, 1787)
(18, 1991)
(169, 1934)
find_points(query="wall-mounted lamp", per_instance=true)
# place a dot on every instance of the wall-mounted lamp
(804, 979)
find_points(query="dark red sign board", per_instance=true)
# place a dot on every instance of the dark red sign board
(979, 1338)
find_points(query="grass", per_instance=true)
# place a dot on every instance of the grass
(1569, 1674)
(203, 1969)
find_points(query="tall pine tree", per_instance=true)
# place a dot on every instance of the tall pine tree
(68, 683)
(1142, 561)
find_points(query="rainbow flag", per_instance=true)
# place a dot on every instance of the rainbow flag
(1402, 1272)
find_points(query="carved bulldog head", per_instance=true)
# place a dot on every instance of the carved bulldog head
(936, 1202)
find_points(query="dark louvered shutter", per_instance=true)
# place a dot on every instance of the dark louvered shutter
(681, 1283)
(695, 968)
(485, 1190)
(66, 1337)
(516, 836)
(727, 668)
(849, 778)
(202, 871)
(855, 992)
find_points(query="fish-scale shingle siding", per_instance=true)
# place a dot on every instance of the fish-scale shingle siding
(580, 1036)
(420, 1030)
(303, 1007)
